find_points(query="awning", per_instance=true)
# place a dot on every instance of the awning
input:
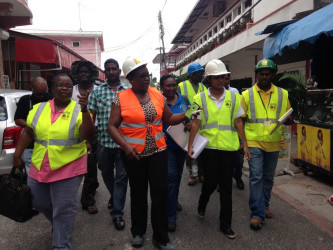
(47, 51)
(295, 41)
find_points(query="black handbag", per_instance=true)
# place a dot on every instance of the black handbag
(15, 196)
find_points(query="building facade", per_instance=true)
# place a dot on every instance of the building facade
(227, 30)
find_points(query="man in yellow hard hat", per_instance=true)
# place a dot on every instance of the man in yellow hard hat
(263, 105)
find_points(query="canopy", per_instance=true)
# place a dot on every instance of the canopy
(47, 51)
(295, 41)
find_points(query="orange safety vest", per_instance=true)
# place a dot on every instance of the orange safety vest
(134, 127)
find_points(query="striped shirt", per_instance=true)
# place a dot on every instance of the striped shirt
(100, 100)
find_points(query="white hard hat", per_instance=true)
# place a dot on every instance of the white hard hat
(215, 68)
(131, 64)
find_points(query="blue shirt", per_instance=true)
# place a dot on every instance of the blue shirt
(179, 107)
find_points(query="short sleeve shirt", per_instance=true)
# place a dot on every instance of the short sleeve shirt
(100, 100)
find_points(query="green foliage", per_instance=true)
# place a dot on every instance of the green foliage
(295, 83)
(181, 77)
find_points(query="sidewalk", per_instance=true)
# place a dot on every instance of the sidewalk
(308, 194)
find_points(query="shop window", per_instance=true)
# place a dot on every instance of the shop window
(75, 44)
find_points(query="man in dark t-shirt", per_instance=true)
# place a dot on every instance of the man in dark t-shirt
(39, 94)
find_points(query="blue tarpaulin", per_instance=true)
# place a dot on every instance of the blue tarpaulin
(299, 35)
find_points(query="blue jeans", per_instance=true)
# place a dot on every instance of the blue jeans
(262, 171)
(57, 201)
(109, 160)
(176, 159)
(26, 158)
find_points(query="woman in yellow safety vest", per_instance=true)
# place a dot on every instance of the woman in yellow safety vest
(220, 122)
(59, 159)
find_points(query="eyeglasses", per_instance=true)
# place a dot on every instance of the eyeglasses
(39, 94)
(60, 85)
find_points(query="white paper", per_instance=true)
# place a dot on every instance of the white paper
(181, 137)
(282, 120)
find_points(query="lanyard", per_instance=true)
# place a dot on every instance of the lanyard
(270, 95)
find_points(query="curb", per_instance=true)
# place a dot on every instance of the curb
(323, 224)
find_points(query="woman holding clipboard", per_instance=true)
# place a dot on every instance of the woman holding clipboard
(220, 122)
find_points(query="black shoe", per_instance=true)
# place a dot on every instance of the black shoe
(240, 183)
(34, 211)
(137, 241)
(229, 233)
(119, 223)
(179, 207)
(172, 226)
(165, 246)
(201, 213)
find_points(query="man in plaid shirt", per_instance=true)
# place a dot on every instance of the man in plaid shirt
(108, 152)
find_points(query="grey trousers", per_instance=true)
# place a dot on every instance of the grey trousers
(57, 201)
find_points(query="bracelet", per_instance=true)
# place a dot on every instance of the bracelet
(84, 110)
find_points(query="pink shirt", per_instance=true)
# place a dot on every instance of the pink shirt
(74, 168)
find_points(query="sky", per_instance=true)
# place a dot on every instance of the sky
(130, 27)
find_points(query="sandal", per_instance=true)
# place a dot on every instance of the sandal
(92, 209)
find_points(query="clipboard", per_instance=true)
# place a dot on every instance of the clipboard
(282, 120)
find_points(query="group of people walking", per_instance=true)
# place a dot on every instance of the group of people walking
(122, 131)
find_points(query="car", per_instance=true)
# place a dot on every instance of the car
(9, 132)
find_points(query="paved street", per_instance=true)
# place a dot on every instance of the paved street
(287, 230)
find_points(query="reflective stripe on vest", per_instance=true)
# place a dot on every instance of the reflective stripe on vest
(134, 140)
(185, 88)
(215, 124)
(58, 142)
(253, 109)
(138, 125)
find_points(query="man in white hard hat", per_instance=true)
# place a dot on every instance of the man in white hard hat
(108, 152)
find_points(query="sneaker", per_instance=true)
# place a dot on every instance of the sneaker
(137, 241)
(330, 200)
(192, 181)
(255, 223)
(201, 213)
(229, 233)
(268, 213)
(165, 246)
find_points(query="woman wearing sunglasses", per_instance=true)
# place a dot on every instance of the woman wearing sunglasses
(220, 122)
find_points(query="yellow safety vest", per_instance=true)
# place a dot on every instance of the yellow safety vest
(217, 125)
(187, 89)
(258, 115)
(61, 139)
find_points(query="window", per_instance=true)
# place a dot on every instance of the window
(210, 34)
(248, 3)
(228, 19)
(239, 10)
(201, 41)
(205, 37)
(75, 44)
(215, 29)
(222, 24)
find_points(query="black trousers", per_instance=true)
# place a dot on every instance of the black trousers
(215, 174)
(90, 183)
(153, 170)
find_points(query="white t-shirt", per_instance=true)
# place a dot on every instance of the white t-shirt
(231, 89)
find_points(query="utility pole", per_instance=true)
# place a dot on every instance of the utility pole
(162, 39)
(80, 16)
